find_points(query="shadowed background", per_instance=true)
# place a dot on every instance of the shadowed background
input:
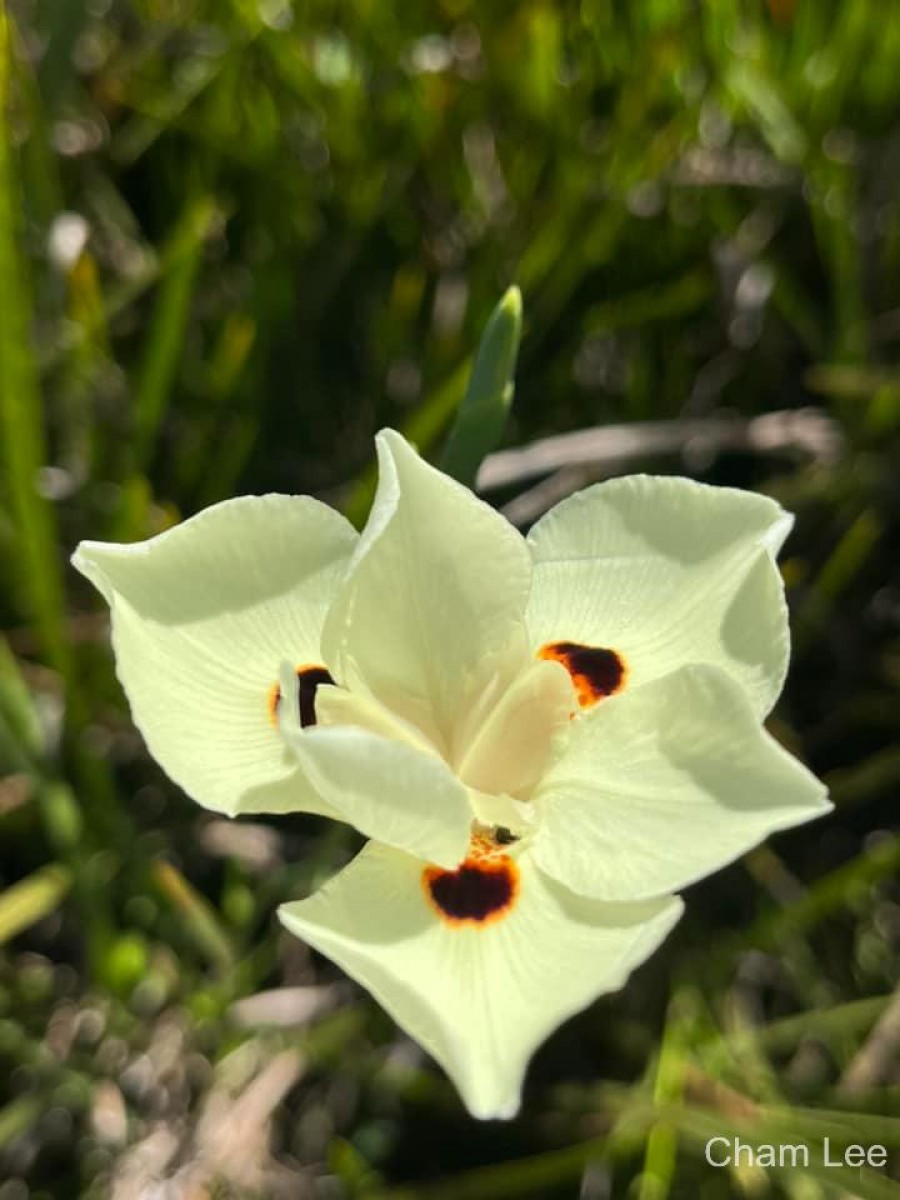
(236, 239)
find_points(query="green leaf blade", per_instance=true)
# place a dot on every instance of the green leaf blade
(486, 404)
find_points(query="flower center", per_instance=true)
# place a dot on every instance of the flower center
(482, 889)
(596, 671)
(309, 678)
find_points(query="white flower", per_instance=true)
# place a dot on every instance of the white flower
(544, 738)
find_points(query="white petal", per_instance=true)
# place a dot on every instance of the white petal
(337, 706)
(202, 617)
(390, 789)
(479, 998)
(666, 572)
(510, 751)
(503, 811)
(663, 785)
(438, 583)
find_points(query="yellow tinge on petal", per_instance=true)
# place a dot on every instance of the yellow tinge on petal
(514, 745)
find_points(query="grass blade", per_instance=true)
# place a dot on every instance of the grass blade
(162, 350)
(200, 920)
(21, 419)
(31, 899)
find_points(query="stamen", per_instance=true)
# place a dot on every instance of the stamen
(309, 678)
(595, 670)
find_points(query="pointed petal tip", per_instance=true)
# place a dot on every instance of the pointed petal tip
(820, 803)
(84, 555)
(87, 559)
(390, 439)
(394, 452)
(669, 909)
(779, 531)
(78, 559)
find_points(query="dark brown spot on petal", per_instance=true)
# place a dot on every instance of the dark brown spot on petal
(483, 889)
(309, 678)
(595, 670)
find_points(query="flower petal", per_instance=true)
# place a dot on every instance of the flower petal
(387, 788)
(438, 584)
(479, 995)
(661, 786)
(337, 706)
(511, 749)
(665, 572)
(202, 617)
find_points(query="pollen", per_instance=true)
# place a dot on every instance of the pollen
(482, 890)
(309, 678)
(595, 670)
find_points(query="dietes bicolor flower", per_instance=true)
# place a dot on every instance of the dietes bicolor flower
(544, 739)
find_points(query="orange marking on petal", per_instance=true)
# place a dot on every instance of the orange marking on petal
(595, 670)
(310, 676)
(482, 890)
(274, 699)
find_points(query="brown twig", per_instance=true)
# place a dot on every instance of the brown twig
(875, 1060)
(603, 450)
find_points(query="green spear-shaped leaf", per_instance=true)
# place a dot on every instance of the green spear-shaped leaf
(485, 406)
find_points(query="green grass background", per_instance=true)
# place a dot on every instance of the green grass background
(238, 237)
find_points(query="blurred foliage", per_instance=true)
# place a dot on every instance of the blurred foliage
(243, 236)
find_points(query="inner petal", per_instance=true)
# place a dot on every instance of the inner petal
(438, 581)
(493, 810)
(513, 745)
(596, 671)
(483, 889)
(337, 706)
